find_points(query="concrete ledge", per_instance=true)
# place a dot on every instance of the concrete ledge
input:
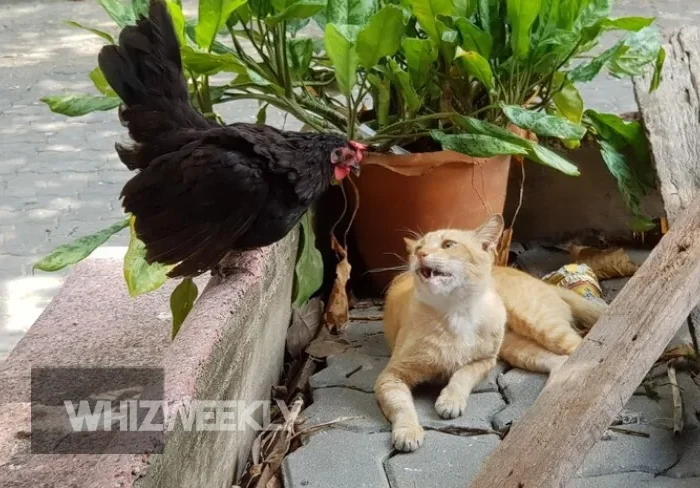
(556, 206)
(230, 348)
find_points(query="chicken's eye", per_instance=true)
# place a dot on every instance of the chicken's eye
(336, 156)
(448, 244)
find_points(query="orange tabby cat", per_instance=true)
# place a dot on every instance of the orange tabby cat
(444, 320)
(539, 335)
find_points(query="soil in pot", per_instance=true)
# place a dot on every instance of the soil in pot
(421, 192)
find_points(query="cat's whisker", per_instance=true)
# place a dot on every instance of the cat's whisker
(391, 268)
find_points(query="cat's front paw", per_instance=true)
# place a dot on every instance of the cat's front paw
(450, 405)
(407, 438)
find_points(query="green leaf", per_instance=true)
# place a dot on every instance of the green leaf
(477, 66)
(340, 46)
(210, 63)
(406, 89)
(178, 19)
(477, 145)
(449, 39)
(621, 134)
(299, 53)
(381, 36)
(140, 7)
(627, 182)
(427, 11)
(521, 15)
(104, 35)
(382, 98)
(349, 12)
(474, 39)
(213, 15)
(120, 12)
(477, 126)
(181, 302)
(464, 8)
(547, 157)
(542, 124)
(588, 70)
(657, 76)
(308, 271)
(100, 82)
(261, 117)
(77, 105)
(535, 152)
(140, 276)
(76, 251)
(420, 55)
(301, 9)
(569, 103)
(490, 16)
(640, 50)
(628, 23)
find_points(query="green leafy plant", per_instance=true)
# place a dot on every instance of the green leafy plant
(424, 74)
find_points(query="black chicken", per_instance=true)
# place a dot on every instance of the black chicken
(204, 189)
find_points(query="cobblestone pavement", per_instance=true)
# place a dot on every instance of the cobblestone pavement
(641, 450)
(60, 178)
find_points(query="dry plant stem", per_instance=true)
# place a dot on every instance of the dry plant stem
(677, 401)
(694, 336)
(282, 439)
(301, 379)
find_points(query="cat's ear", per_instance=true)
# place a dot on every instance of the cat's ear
(410, 245)
(490, 231)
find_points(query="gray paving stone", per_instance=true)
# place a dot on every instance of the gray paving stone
(623, 453)
(633, 480)
(445, 461)
(350, 370)
(481, 407)
(338, 459)
(332, 403)
(659, 412)
(367, 337)
(689, 464)
(520, 389)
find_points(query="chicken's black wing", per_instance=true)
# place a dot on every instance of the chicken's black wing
(192, 204)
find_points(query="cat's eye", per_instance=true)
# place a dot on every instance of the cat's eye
(448, 244)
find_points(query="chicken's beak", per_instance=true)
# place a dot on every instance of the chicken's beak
(360, 152)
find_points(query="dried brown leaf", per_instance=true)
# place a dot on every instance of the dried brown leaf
(304, 327)
(327, 345)
(504, 248)
(274, 483)
(605, 263)
(337, 312)
(256, 449)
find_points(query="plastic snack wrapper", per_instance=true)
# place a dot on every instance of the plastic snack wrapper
(579, 278)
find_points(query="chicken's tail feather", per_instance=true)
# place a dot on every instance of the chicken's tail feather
(145, 70)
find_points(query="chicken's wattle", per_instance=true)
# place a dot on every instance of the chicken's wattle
(341, 172)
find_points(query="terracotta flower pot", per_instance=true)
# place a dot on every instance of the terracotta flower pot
(421, 192)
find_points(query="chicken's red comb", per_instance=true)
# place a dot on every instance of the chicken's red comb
(358, 146)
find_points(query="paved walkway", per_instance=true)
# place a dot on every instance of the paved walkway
(60, 177)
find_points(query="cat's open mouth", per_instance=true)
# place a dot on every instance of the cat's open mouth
(428, 273)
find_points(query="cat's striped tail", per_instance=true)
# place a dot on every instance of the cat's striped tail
(587, 312)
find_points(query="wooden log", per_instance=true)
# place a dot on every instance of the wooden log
(671, 121)
(549, 444)
(670, 116)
